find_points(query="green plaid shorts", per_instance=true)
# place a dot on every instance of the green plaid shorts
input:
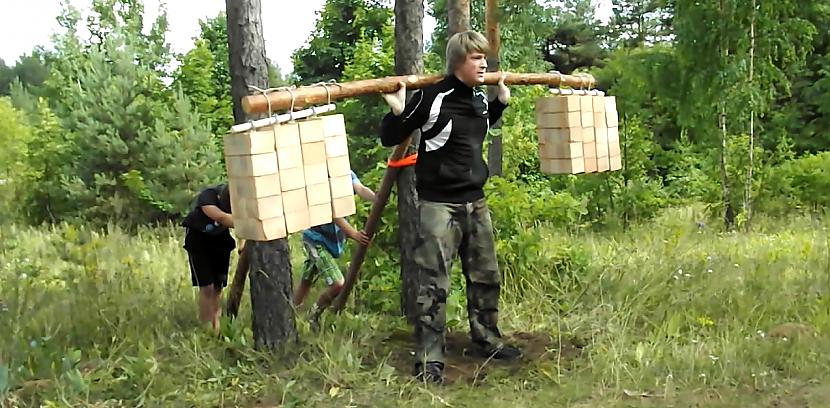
(319, 263)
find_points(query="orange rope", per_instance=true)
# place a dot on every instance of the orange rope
(403, 162)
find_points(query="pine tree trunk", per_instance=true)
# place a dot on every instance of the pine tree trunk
(409, 59)
(458, 16)
(748, 186)
(494, 152)
(270, 262)
(728, 212)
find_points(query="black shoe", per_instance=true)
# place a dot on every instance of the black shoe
(505, 353)
(433, 373)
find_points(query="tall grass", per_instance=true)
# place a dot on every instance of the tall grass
(108, 319)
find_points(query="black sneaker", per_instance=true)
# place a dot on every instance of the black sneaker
(433, 373)
(505, 353)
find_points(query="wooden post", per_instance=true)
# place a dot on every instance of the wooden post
(238, 284)
(270, 263)
(494, 152)
(381, 198)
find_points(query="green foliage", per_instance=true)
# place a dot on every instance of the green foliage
(373, 57)
(195, 79)
(116, 144)
(30, 70)
(524, 27)
(14, 134)
(575, 41)
(636, 23)
(342, 24)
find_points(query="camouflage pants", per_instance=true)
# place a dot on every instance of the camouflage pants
(447, 229)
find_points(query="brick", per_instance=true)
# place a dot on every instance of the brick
(260, 230)
(589, 149)
(341, 186)
(287, 134)
(251, 165)
(562, 166)
(601, 139)
(615, 163)
(603, 164)
(314, 152)
(316, 173)
(297, 221)
(613, 142)
(343, 207)
(336, 146)
(292, 179)
(555, 104)
(312, 130)
(339, 166)
(591, 165)
(254, 187)
(559, 135)
(334, 125)
(318, 193)
(249, 143)
(294, 200)
(562, 150)
(257, 208)
(559, 120)
(320, 214)
(290, 157)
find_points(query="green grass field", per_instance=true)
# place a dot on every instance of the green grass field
(663, 315)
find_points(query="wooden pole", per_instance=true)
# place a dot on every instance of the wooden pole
(315, 95)
(381, 198)
(494, 154)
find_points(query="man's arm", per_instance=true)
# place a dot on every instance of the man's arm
(397, 125)
(496, 108)
(352, 233)
(499, 104)
(218, 215)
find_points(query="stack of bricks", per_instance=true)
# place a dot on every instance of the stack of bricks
(284, 178)
(577, 134)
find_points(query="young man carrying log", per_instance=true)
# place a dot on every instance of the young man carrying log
(209, 244)
(453, 116)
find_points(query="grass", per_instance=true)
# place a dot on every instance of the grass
(666, 310)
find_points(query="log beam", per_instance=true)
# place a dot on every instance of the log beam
(317, 94)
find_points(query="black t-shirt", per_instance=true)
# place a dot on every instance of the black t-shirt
(203, 233)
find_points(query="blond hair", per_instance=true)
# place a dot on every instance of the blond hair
(463, 44)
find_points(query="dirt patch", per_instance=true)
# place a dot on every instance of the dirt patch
(462, 366)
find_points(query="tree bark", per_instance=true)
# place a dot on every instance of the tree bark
(409, 59)
(458, 16)
(494, 152)
(271, 287)
(270, 263)
(315, 95)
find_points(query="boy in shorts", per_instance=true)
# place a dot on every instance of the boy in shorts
(209, 244)
(322, 244)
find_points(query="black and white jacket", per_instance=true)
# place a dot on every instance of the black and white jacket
(453, 119)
